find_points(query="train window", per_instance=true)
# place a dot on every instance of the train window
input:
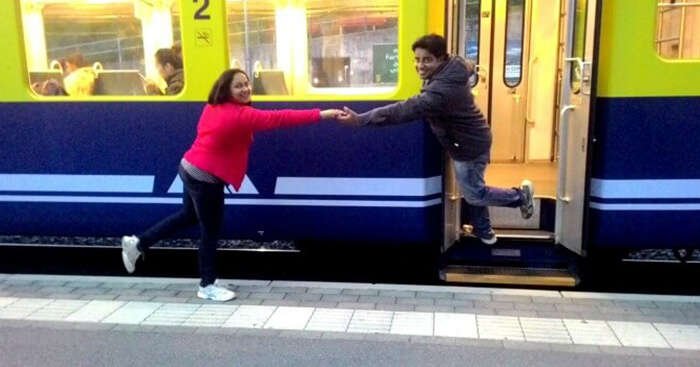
(253, 43)
(353, 44)
(678, 29)
(471, 36)
(108, 47)
(515, 14)
(315, 46)
(579, 43)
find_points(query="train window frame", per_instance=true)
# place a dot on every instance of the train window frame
(522, 43)
(307, 90)
(579, 25)
(97, 68)
(475, 78)
(663, 7)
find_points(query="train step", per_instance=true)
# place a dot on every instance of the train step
(515, 234)
(505, 275)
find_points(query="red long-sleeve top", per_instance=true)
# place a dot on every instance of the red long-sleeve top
(225, 132)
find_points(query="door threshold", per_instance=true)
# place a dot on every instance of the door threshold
(515, 234)
(509, 276)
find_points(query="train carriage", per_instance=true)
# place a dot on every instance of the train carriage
(595, 101)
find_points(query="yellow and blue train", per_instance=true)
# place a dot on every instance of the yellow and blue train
(596, 101)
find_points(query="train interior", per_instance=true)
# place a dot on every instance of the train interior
(516, 47)
(55, 31)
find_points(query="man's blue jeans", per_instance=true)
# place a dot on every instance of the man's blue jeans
(470, 175)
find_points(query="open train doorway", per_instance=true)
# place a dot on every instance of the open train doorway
(531, 58)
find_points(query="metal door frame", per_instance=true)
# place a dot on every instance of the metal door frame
(579, 110)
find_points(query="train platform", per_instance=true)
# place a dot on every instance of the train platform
(545, 320)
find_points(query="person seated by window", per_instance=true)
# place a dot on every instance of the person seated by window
(50, 87)
(78, 79)
(169, 66)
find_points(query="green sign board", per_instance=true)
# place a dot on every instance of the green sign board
(385, 63)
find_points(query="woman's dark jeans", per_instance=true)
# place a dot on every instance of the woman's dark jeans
(203, 203)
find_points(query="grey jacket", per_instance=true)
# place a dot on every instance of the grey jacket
(447, 103)
(175, 82)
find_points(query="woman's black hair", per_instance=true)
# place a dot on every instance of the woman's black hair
(169, 56)
(221, 90)
(434, 43)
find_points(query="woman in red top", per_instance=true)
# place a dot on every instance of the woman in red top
(219, 155)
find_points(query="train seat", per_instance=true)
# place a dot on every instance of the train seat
(269, 82)
(119, 82)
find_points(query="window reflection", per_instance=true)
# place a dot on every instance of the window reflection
(678, 29)
(471, 34)
(514, 42)
(579, 46)
(295, 47)
(353, 46)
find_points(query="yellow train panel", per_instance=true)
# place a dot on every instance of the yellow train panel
(629, 64)
(203, 32)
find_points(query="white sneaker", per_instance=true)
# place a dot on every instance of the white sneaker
(215, 293)
(130, 252)
(489, 238)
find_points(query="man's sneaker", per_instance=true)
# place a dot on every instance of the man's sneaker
(527, 207)
(215, 293)
(489, 238)
(130, 252)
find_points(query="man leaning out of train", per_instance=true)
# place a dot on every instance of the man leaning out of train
(218, 157)
(447, 103)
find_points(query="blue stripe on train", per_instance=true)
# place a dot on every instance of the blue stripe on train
(148, 139)
(640, 139)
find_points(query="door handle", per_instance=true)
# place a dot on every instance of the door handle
(577, 60)
(482, 72)
(563, 153)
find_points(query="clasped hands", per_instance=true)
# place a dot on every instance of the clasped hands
(345, 116)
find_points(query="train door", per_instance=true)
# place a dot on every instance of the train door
(578, 40)
(514, 44)
(508, 78)
(534, 62)
(495, 34)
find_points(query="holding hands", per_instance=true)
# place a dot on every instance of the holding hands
(331, 114)
(345, 116)
(348, 117)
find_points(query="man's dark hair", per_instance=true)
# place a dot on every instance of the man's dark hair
(435, 44)
(169, 56)
(221, 91)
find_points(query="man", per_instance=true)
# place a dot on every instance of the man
(447, 103)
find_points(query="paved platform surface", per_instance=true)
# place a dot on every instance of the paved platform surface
(628, 324)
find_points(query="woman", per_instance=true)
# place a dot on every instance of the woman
(78, 79)
(169, 67)
(219, 155)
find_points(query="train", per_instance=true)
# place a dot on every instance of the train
(595, 101)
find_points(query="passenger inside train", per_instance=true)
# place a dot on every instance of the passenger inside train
(103, 48)
(79, 79)
(49, 87)
(168, 62)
